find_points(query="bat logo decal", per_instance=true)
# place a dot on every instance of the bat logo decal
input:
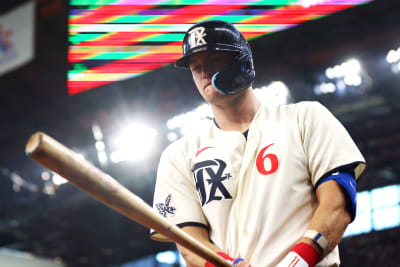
(165, 208)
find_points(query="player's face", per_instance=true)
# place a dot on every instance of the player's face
(203, 66)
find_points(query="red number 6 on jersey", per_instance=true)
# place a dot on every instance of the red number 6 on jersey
(261, 159)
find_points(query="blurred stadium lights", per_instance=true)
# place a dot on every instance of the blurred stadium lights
(325, 88)
(99, 144)
(348, 68)
(168, 257)
(58, 180)
(134, 143)
(19, 182)
(50, 185)
(377, 209)
(341, 78)
(45, 176)
(276, 93)
(172, 136)
(97, 133)
(393, 58)
(49, 188)
(188, 122)
(308, 3)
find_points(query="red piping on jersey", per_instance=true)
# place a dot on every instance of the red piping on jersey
(201, 150)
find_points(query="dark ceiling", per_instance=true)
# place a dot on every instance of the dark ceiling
(71, 225)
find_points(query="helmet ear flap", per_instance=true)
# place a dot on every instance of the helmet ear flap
(236, 78)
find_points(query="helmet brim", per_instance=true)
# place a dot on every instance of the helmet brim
(183, 62)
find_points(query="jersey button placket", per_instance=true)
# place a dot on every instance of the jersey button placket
(249, 155)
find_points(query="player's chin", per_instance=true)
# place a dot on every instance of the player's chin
(209, 89)
(211, 95)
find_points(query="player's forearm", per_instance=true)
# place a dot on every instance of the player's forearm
(193, 260)
(326, 228)
(200, 234)
(331, 216)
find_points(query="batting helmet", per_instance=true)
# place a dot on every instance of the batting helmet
(215, 35)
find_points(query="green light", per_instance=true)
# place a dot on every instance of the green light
(78, 68)
(92, 2)
(133, 18)
(170, 37)
(116, 55)
(77, 38)
(232, 18)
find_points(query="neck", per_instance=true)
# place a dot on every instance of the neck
(237, 114)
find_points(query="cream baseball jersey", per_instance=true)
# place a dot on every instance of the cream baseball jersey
(255, 196)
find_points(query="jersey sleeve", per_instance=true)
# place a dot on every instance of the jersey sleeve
(327, 144)
(175, 196)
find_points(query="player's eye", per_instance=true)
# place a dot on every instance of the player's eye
(195, 68)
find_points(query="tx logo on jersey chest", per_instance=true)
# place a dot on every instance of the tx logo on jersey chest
(211, 174)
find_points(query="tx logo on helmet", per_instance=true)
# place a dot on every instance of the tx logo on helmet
(196, 37)
(215, 180)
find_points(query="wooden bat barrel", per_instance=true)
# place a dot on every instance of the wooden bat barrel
(81, 173)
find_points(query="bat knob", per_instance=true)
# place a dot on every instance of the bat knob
(34, 142)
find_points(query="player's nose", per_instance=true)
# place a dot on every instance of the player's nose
(207, 75)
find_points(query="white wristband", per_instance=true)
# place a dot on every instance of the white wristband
(292, 259)
(318, 238)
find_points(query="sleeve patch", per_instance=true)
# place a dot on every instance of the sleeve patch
(167, 207)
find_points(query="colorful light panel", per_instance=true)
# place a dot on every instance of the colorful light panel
(113, 40)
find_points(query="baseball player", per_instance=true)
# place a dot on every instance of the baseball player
(266, 186)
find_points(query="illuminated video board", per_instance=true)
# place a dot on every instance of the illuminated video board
(114, 40)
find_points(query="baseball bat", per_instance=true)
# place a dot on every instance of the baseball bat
(81, 173)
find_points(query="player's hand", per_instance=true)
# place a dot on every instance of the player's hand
(243, 264)
(238, 262)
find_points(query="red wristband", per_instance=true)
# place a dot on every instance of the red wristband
(307, 252)
(223, 255)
